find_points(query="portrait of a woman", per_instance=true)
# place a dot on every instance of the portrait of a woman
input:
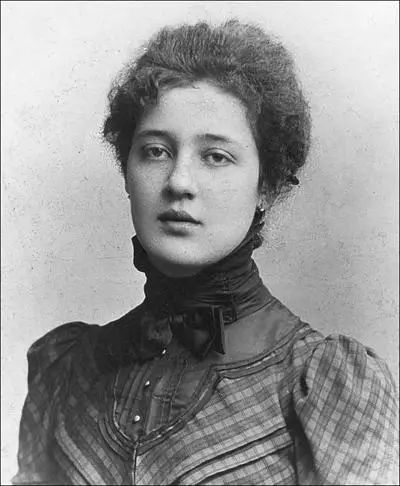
(211, 379)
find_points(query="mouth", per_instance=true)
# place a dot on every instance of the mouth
(178, 217)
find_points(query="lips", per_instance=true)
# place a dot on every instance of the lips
(179, 216)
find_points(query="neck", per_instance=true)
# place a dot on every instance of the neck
(232, 284)
(173, 270)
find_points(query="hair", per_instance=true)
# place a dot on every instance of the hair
(239, 58)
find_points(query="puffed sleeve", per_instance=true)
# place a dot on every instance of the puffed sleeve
(49, 367)
(346, 406)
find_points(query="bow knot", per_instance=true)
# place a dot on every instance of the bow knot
(198, 329)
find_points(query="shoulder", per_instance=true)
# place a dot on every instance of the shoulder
(54, 347)
(59, 340)
(340, 361)
(50, 361)
(337, 364)
(311, 354)
(345, 401)
(342, 376)
(80, 347)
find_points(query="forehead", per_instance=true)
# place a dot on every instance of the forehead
(192, 110)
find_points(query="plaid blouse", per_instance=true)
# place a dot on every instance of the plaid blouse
(285, 405)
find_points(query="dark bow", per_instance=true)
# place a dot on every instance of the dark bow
(143, 334)
(194, 309)
(199, 329)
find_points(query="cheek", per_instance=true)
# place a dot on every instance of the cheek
(140, 201)
(142, 187)
(239, 194)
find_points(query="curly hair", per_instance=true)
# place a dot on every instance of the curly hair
(239, 58)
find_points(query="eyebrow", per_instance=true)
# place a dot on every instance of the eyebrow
(155, 133)
(211, 137)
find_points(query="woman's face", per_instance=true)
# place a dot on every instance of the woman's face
(193, 152)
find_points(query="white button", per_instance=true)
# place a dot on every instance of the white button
(136, 418)
(163, 351)
(147, 383)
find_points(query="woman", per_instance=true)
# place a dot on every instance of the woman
(211, 380)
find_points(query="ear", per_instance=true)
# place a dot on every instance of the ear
(263, 195)
(262, 201)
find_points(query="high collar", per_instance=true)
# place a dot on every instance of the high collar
(232, 284)
(194, 309)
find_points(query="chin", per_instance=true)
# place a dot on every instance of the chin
(177, 259)
(176, 267)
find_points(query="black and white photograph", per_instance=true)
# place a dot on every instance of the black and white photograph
(199, 243)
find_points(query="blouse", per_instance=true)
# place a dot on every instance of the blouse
(284, 405)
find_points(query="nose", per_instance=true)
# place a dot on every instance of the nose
(181, 182)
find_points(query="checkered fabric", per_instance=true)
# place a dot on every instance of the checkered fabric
(309, 410)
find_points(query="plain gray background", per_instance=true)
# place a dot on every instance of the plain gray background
(331, 253)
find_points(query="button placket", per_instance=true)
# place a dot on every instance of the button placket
(140, 414)
(140, 411)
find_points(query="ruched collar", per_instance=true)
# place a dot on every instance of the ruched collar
(196, 309)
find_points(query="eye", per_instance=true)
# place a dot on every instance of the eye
(218, 158)
(156, 152)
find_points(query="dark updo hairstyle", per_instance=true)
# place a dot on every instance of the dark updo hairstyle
(239, 58)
